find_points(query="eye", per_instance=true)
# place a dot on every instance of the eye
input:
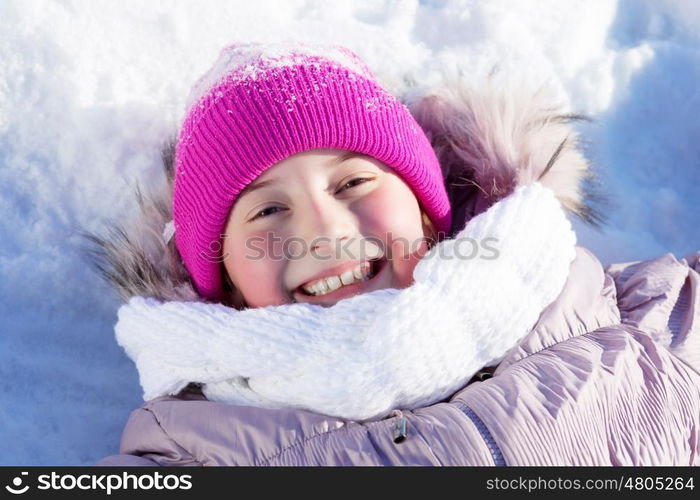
(264, 212)
(354, 182)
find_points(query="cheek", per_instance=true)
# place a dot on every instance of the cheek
(395, 218)
(393, 210)
(406, 261)
(254, 271)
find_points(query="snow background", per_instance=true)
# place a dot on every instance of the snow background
(89, 90)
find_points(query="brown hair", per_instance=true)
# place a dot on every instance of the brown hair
(232, 296)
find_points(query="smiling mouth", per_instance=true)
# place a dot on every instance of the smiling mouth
(376, 265)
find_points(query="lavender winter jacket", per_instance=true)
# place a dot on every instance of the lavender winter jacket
(609, 375)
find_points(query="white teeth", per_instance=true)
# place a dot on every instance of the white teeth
(347, 277)
(333, 283)
(361, 272)
(321, 287)
(357, 273)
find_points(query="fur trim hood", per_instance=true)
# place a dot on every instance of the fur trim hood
(488, 140)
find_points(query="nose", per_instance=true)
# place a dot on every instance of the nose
(324, 222)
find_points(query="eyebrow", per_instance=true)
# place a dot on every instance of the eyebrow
(331, 163)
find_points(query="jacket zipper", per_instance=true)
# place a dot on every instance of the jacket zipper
(496, 454)
(399, 428)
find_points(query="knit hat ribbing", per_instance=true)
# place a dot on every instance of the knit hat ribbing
(260, 104)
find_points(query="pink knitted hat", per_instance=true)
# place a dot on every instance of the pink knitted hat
(261, 103)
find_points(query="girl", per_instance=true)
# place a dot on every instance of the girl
(340, 266)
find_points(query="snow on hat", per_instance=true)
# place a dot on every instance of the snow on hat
(261, 103)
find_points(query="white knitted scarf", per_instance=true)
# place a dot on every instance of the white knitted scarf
(372, 353)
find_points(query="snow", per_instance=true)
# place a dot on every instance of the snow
(89, 90)
(241, 61)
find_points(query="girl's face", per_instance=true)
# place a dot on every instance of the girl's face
(320, 214)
